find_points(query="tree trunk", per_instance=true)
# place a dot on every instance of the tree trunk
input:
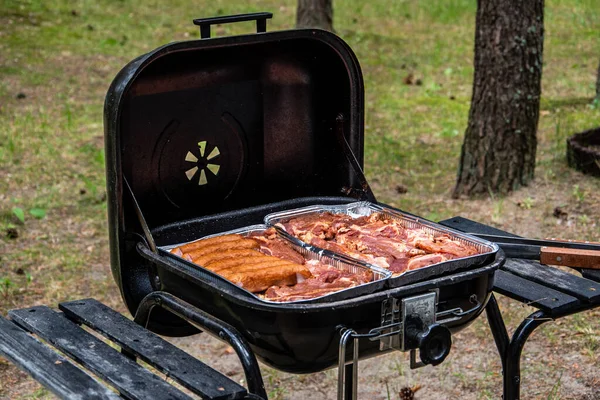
(315, 14)
(498, 152)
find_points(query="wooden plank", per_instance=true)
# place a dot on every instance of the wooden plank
(548, 300)
(570, 257)
(52, 370)
(129, 378)
(591, 274)
(174, 362)
(583, 289)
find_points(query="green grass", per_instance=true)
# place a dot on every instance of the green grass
(62, 56)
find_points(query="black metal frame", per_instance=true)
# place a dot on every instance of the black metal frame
(225, 332)
(209, 324)
(510, 349)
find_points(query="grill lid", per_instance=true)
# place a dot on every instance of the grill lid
(212, 125)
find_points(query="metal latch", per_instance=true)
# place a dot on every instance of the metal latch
(410, 324)
(394, 315)
(415, 308)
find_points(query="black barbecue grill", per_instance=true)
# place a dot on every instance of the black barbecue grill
(206, 136)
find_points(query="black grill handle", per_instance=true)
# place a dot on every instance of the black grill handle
(260, 18)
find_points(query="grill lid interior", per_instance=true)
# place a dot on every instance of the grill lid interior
(207, 126)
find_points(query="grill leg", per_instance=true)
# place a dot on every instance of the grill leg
(512, 371)
(498, 329)
(348, 382)
(209, 324)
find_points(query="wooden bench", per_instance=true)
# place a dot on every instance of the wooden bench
(90, 365)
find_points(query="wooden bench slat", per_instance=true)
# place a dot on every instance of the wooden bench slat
(583, 289)
(174, 362)
(592, 274)
(52, 370)
(546, 299)
(129, 378)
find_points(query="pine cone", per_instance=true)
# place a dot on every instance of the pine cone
(407, 393)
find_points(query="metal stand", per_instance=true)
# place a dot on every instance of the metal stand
(209, 324)
(510, 350)
(351, 386)
(348, 374)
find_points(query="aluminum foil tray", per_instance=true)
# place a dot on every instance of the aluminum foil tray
(487, 250)
(380, 275)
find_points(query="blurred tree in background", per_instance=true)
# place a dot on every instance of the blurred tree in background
(315, 14)
(498, 152)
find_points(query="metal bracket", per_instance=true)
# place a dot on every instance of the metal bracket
(141, 219)
(390, 325)
(455, 314)
(414, 363)
(365, 191)
(423, 307)
(394, 313)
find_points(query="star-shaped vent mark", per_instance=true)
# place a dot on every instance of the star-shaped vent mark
(202, 163)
